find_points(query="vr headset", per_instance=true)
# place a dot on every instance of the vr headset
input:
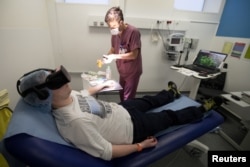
(53, 81)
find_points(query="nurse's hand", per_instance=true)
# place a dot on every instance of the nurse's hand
(108, 58)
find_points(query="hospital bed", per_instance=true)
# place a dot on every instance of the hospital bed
(33, 139)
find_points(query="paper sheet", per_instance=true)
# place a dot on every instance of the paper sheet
(247, 55)
(227, 47)
(238, 49)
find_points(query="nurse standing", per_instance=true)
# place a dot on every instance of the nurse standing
(126, 50)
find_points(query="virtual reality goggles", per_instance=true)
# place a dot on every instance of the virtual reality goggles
(55, 80)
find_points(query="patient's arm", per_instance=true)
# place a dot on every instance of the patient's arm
(123, 150)
(95, 89)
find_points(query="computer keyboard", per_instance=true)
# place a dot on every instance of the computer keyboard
(200, 69)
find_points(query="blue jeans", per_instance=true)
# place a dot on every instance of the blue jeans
(149, 124)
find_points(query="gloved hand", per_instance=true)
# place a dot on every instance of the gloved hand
(108, 58)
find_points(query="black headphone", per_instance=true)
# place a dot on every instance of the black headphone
(55, 80)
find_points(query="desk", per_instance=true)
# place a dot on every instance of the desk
(196, 79)
(241, 111)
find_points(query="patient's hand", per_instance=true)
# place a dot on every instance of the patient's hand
(149, 142)
(109, 84)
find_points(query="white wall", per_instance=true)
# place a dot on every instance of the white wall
(80, 45)
(25, 41)
(237, 74)
(38, 33)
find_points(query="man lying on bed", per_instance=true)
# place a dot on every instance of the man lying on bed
(105, 129)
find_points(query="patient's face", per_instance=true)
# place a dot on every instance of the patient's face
(62, 93)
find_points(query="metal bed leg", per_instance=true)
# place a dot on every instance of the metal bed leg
(196, 148)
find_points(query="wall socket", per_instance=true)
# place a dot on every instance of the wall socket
(101, 23)
(96, 21)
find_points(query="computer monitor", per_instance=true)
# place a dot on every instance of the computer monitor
(210, 59)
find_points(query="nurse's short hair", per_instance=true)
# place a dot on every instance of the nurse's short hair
(114, 13)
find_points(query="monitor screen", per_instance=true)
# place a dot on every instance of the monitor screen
(210, 59)
(175, 41)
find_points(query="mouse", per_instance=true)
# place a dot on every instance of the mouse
(203, 74)
(235, 97)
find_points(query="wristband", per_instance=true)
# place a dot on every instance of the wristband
(139, 147)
